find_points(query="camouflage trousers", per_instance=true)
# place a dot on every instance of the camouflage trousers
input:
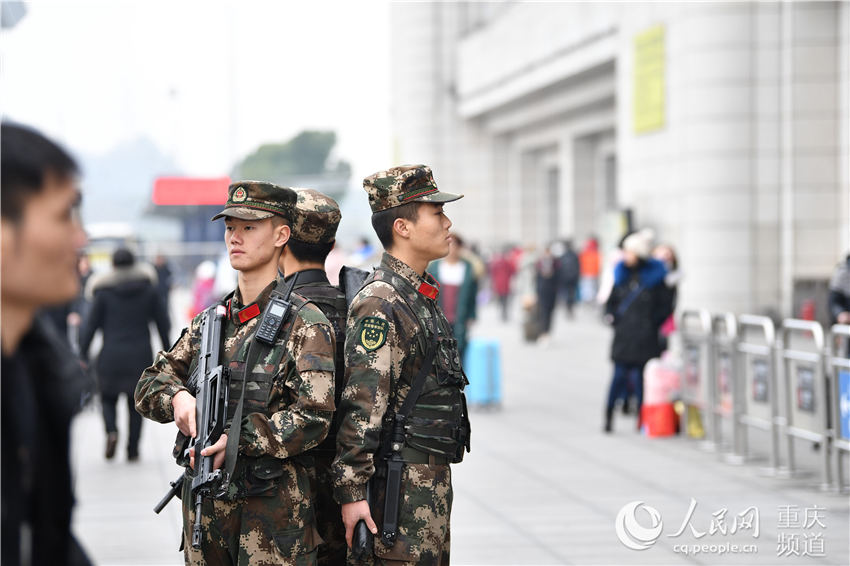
(424, 537)
(328, 514)
(277, 527)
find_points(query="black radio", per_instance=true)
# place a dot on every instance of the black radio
(272, 321)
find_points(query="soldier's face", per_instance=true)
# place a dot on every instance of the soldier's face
(430, 233)
(253, 244)
(39, 261)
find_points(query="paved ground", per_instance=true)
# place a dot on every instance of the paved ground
(543, 484)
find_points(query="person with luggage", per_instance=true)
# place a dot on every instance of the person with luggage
(546, 285)
(637, 306)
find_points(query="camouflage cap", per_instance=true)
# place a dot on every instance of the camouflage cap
(315, 217)
(255, 200)
(403, 184)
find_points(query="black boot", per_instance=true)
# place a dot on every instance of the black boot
(609, 415)
(111, 443)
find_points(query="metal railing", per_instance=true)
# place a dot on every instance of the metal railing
(738, 374)
(806, 390)
(695, 334)
(759, 405)
(723, 383)
(838, 366)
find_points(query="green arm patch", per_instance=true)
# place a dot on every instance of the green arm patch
(372, 333)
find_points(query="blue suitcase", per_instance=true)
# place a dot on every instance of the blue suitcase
(483, 367)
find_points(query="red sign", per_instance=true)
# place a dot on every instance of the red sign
(189, 191)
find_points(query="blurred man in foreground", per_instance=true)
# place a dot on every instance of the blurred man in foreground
(42, 383)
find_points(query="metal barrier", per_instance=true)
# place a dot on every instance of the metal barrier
(723, 384)
(839, 366)
(758, 400)
(806, 390)
(695, 333)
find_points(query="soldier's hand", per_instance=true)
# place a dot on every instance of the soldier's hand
(184, 412)
(219, 449)
(353, 512)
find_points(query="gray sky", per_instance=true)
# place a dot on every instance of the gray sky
(206, 81)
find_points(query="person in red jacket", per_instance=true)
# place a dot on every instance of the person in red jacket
(502, 271)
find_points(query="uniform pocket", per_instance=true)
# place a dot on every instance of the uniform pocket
(447, 361)
(262, 476)
(423, 515)
(292, 543)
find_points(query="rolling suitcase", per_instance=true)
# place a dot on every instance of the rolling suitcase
(483, 368)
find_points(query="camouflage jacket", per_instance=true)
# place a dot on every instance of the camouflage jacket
(313, 285)
(385, 345)
(297, 412)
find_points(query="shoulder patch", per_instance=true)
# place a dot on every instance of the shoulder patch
(373, 332)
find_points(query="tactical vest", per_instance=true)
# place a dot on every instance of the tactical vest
(258, 475)
(331, 301)
(261, 376)
(438, 423)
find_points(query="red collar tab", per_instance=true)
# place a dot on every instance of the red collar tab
(247, 313)
(428, 290)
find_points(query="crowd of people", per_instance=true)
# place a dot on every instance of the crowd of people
(346, 402)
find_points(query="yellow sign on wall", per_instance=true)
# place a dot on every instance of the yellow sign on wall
(649, 102)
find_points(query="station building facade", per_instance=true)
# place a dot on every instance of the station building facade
(724, 127)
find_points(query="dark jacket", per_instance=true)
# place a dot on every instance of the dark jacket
(839, 291)
(568, 269)
(639, 303)
(42, 388)
(546, 281)
(125, 302)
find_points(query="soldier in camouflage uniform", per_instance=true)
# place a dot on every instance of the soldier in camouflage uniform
(266, 514)
(393, 322)
(314, 222)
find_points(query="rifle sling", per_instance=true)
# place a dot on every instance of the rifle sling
(431, 351)
(389, 528)
(419, 381)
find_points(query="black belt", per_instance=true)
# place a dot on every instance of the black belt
(413, 456)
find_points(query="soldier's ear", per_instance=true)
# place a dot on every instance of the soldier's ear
(401, 227)
(282, 233)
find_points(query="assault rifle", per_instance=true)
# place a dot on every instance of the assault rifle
(209, 382)
(210, 413)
